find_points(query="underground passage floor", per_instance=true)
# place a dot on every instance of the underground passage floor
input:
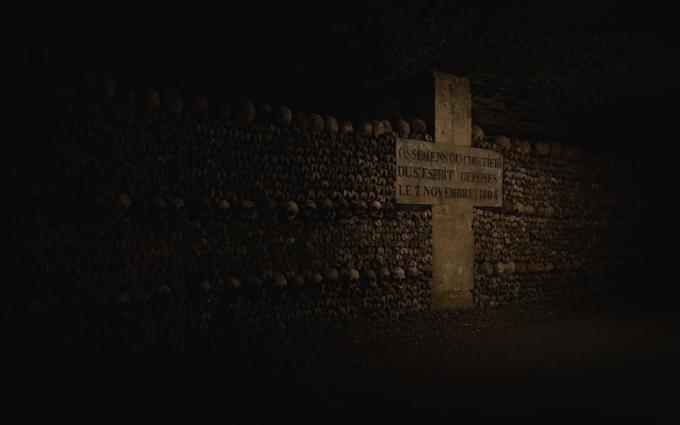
(616, 359)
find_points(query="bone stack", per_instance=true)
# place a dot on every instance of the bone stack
(230, 218)
(559, 231)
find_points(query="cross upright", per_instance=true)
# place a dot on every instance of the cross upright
(453, 177)
(453, 243)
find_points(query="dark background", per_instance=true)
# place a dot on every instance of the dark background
(590, 72)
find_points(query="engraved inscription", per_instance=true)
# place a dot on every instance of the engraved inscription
(431, 174)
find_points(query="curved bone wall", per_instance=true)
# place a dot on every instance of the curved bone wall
(169, 225)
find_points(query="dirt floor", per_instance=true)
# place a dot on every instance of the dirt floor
(590, 358)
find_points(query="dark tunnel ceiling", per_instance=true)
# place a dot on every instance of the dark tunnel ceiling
(538, 68)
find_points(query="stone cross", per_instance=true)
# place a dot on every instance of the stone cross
(453, 177)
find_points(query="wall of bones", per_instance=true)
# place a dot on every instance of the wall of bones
(564, 228)
(174, 219)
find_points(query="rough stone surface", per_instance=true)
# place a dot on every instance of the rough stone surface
(452, 236)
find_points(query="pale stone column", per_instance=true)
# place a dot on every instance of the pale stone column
(452, 236)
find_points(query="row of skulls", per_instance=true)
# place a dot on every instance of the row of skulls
(524, 147)
(522, 242)
(330, 276)
(547, 179)
(245, 209)
(552, 231)
(102, 82)
(235, 254)
(499, 268)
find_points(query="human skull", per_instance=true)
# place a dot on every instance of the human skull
(360, 205)
(388, 126)
(503, 142)
(244, 114)
(315, 277)
(224, 206)
(151, 99)
(233, 283)
(123, 201)
(177, 203)
(279, 280)
(205, 285)
(378, 128)
(371, 278)
(163, 289)
(477, 134)
(172, 101)
(418, 126)
(399, 274)
(309, 209)
(509, 267)
(516, 146)
(556, 150)
(327, 208)
(199, 105)
(486, 269)
(542, 149)
(498, 268)
(341, 207)
(292, 210)
(549, 211)
(247, 209)
(346, 127)
(301, 120)
(403, 128)
(296, 279)
(283, 116)
(124, 297)
(525, 147)
(384, 275)
(331, 275)
(353, 277)
(253, 281)
(518, 207)
(330, 124)
(316, 122)
(365, 129)
(413, 271)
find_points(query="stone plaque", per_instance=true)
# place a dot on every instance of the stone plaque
(443, 173)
